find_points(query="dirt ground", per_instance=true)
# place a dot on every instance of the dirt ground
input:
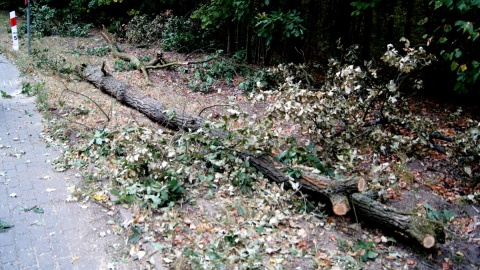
(299, 240)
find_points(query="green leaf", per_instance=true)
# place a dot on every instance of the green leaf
(260, 230)
(135, 236)
(5, 94)
(115, 192)
(38, 210)
(240, 211)
(158, 247)
(282, 155)
(371, 254)
(458, 53)
(4, 226)
(447, 215)
(212, 255)
(448, 3)
(453, 65)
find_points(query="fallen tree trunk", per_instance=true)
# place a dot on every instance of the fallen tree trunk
(336, 191)
(423, 231)
(332, 190)
(144, 104)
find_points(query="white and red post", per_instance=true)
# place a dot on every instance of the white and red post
(13, 24)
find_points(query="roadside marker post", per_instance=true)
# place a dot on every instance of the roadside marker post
(27, 3)
(13, 24)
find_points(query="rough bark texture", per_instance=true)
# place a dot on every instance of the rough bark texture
(423, 231)
(266, 166)
(320, 183)
(144, 104)
(335, 191)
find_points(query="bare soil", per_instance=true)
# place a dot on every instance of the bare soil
(324, 240)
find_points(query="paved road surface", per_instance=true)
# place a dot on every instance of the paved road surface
(67, 235)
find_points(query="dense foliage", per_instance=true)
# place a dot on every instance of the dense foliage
(272, 32)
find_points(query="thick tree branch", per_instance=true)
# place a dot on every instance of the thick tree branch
(424, 231)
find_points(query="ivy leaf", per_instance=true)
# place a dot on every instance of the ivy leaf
(135, 236)
(371, 254)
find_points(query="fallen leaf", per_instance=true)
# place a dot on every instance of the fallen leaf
(100, 196)
(322, 255)
(302, 245)
(271, 250)
(302, 233)
(141, 254)
(4, 226)
(38, 210)
(446, 265)
(37, 223)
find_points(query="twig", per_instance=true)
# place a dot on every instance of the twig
(180, 63)
(436, 146)
(436, 135)
(367, 108)
(96, 104)
(75, 122)
(355, 214)
(379, 121)
(216, 105)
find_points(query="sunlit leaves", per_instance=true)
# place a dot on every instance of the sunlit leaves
(348, 112)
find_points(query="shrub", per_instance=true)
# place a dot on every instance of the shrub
(46, 21)
(352, 111)
(184, 35)
(142, 30)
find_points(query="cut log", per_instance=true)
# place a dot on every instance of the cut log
(423, 231)
(427, 233)
(324, 184)
(272, 170)
(340, 205)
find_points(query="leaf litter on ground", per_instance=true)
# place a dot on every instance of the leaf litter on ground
(220, 225)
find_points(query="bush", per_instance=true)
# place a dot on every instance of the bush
(46, 21)
(142, 30)
(184, 35)
(456, 37)
(351, 111)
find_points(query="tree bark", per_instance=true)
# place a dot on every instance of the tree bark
(423, 231)
(144, 104)
(271, 170)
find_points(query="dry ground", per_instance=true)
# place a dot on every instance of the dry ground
(268, 229)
